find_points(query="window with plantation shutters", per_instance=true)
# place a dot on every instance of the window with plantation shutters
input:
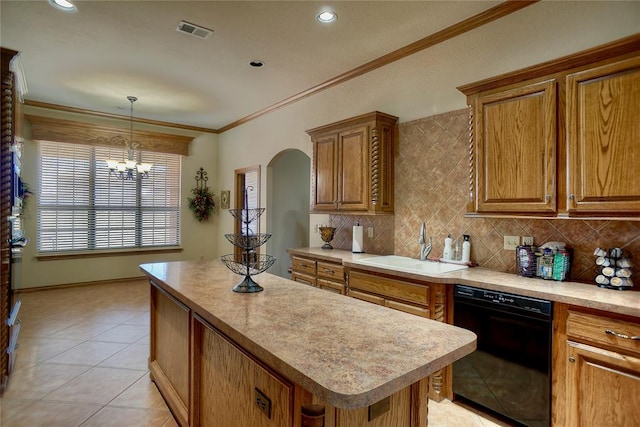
(82, 207)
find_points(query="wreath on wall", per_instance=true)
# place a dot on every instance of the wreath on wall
(201, 204)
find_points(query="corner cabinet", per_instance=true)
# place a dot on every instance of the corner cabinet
(353, 165)
(596, 368)
(560, 138)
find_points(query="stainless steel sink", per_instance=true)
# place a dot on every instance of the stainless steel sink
(410, 265)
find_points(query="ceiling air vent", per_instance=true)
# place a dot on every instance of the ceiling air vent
(194, 30)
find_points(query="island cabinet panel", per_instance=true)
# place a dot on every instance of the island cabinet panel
(169, 360)
(398, 413)
(232, 388)
(596, 368)
(418, 298)
(603, 135)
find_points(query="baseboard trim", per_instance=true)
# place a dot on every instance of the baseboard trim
(124, 280)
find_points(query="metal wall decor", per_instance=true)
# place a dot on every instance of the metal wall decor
(202, 203)
(249, 262)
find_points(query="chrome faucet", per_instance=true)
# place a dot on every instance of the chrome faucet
(424, 248)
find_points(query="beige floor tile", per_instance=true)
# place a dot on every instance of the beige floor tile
(142, 394)
(123, 334)
(112, 316)
(51, 414)
(84, 330)
(171, 422)
(34, 382)
(36, 350)
(10, 408)
(88, 353)
(42, 327)
(142, 319)
(97, 385)
(146, 340)
(135, 356)
(448, 414)
(118, 417)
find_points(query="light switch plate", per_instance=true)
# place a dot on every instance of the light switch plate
(511, 242)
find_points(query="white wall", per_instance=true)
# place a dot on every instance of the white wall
(198, 239)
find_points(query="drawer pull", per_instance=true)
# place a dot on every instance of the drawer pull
(326, 270)
(626, 337)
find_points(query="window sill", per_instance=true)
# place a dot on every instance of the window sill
(102, 254)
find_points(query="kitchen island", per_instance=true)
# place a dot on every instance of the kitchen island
(289, 355)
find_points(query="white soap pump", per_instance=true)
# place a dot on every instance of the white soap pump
(466, 249)
(448, 249)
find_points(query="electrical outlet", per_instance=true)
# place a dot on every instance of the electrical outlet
(263, 402)
(370, 232)
(315, 228)
(511, 242)
(528, 241)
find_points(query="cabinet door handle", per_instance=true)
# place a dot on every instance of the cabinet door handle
(547, 198)
(626, 337)
(572, 359)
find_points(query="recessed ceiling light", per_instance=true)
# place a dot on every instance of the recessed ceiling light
(256, 63)
(63, 5)
(326, 16)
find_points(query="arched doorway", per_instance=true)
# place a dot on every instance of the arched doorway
(288, 187)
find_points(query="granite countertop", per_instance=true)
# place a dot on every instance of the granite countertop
(574, 293)
(347, 352)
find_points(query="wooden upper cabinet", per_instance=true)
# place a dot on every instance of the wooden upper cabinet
(352, 156)
(559, 138)
(604, 138)
(516, 149)
(326, 176)
(353, 165)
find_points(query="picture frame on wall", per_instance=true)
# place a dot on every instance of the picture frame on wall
(224, 199)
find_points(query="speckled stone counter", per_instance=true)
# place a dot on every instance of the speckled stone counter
(574, 293)
(346, 352)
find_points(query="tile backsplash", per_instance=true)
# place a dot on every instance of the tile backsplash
(432, 185)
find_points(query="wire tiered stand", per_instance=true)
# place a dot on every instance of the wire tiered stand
(249, 262)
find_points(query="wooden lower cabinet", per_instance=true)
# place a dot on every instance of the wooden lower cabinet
(233, 389)
(418, 298)
(209, 380)
(321, 274)
(169, 362)
(596, 369)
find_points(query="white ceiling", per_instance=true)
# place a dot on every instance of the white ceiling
(94, 58)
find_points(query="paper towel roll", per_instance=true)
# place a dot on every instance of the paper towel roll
(358, 240)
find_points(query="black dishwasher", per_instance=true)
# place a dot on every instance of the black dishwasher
(509, 375)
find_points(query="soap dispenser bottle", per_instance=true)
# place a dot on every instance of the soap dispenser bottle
(466, 249)
(448, 249)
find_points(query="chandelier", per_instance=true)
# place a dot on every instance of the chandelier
(129, 169)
